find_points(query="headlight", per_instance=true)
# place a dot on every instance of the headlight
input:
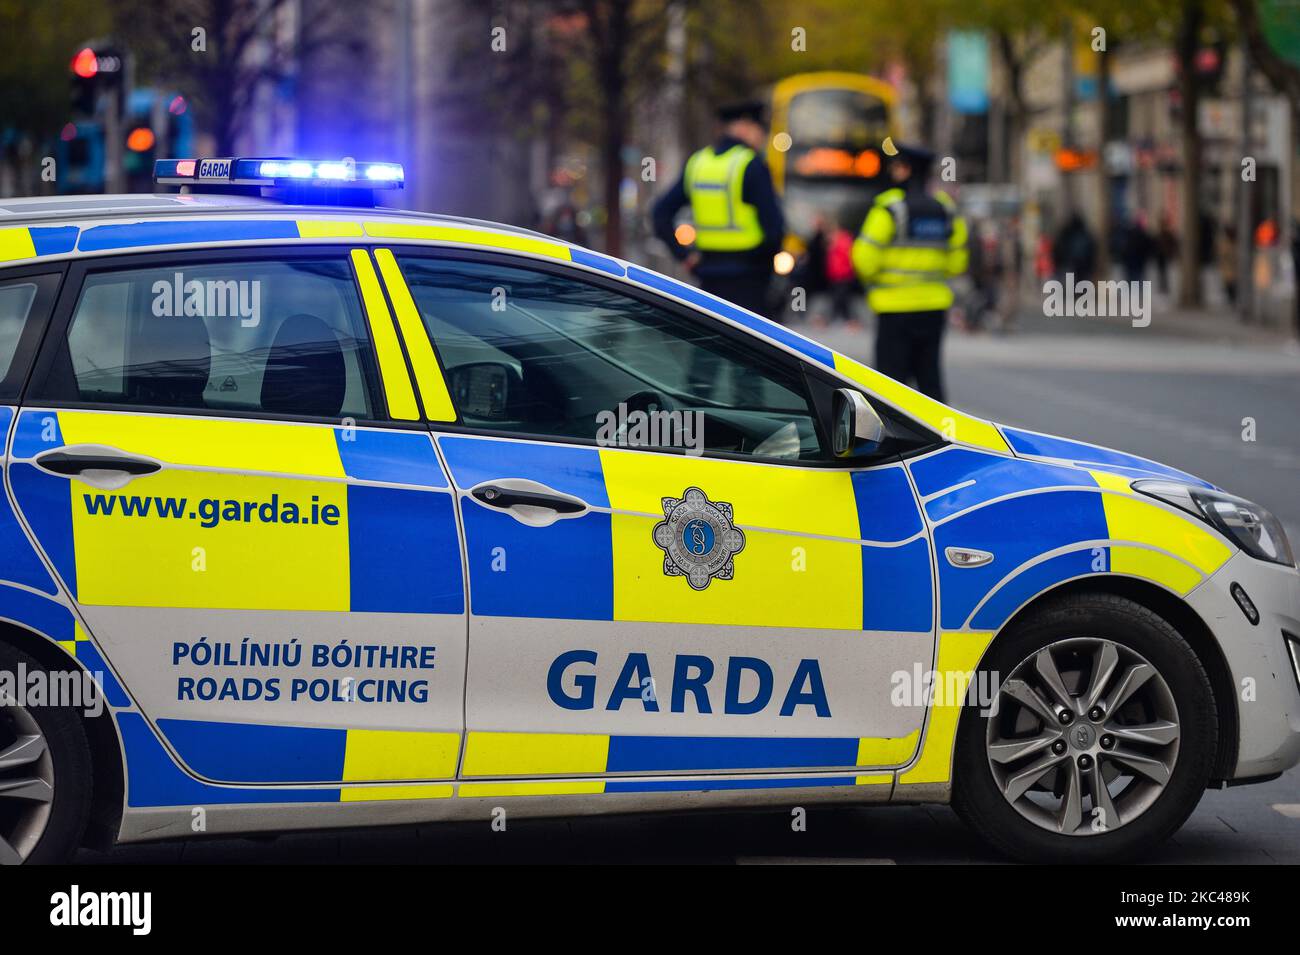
(1250, 526)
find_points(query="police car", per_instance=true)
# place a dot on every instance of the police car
(324, 515)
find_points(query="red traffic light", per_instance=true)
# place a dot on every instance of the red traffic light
(85, 64)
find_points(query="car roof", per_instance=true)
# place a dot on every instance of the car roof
(49, 210)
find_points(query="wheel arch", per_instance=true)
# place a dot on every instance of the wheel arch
(1182, 618)
(107, 774)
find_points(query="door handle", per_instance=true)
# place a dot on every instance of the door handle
(63, 462)
(98, 466)
(494, 495)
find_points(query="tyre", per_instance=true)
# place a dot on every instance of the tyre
(1101, 739)
(44, 773)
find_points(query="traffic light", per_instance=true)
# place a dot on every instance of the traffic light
(156, 124)
(85, 82)
(96, 70)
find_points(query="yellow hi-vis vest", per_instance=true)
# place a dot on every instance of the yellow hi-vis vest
(723, 221)
(905, 264)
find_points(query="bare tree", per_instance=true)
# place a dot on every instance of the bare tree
(224, 49)
(1186, 43)
(622, 35)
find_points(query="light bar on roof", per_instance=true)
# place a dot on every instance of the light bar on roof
(279, 171)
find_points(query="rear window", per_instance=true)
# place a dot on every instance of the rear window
(264, 337)
(24, 306)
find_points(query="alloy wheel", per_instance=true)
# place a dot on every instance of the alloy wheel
(1083, 737)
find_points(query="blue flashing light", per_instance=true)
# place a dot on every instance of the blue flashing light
(279, 171)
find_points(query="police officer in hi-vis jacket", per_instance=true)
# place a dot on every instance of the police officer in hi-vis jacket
(911, 244)
(738, 221)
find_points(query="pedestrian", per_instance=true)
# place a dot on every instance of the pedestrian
(986, 274)
(840, 276)
(1226, 252)
(911, 243)
(1295, 268)
(1166, 249)
(1074, 251)
(809, 273)
(739, 225)
(1136, 247)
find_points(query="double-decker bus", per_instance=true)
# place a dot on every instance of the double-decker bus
(825, 148)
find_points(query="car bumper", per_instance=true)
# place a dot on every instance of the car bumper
(1263, 672)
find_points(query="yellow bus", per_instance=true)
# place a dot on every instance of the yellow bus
(825, 147)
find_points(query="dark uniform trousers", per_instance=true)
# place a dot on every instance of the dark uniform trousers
(907, 349)
(749, 290)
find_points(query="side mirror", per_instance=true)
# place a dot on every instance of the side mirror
(858, 429)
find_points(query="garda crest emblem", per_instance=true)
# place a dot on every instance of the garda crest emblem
(698, 538)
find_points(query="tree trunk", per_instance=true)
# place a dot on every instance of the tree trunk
(612, 163)
(1014, 68)
(1189, 258)
(611, 54)
(1104, 225)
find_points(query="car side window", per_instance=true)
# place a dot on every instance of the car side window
(534, 352)
(264, 337)
(24, 305)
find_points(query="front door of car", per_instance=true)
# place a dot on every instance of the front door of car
(253, 525)
(714, 595)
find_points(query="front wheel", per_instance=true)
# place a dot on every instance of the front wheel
(1101, 738)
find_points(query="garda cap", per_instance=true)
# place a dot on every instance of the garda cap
(918, 157)
(744, 109)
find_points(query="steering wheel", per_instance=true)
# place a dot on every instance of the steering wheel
(648, 401)
(642, 403)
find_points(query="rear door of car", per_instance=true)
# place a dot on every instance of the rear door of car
(249, 515)
(29, 595)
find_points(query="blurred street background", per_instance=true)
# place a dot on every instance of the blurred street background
(1168, 127)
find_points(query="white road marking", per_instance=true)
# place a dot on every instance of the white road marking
(1289, 809)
